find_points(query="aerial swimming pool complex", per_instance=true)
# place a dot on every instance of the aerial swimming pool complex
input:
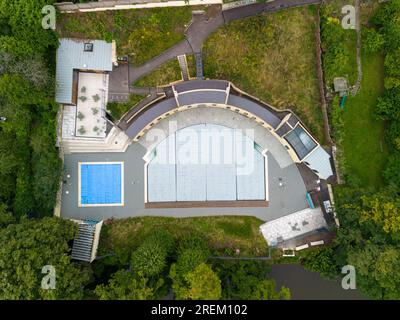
(101, 184)
(203, 149)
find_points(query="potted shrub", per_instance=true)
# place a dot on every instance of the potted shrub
(95, 111)
(96, 98)
(80, 116)
(82, 130)
(83, 89)
(82, 98)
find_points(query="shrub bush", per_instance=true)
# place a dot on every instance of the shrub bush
(150, 259)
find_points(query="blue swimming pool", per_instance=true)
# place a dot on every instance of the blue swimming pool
(101, 184)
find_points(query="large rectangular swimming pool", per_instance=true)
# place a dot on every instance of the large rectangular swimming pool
(101, 184)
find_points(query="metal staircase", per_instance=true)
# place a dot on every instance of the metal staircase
(84, 242)
(199, 65)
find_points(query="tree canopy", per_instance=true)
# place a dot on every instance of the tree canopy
(30, 245)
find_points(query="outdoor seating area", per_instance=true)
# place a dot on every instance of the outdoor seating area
(90, 109)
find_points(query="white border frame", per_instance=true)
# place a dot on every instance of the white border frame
(121, 204)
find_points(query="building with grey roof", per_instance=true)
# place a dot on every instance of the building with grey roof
(74, 55)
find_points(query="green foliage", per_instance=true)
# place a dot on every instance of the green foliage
(29, 246)
(141, 34)
(392, 171)
(246, 280)
(387, 22)
(24, 201)
(266, 290)
(368, 239)
(192, 241)
(80, 116)
(378, 269)
(6, 217)
(125, 285)
(24, 18)
(203, 284)
(321, 260)
(240, 229)
(383, 209)
(337, 121)
(392, 69)
(338, 46)
(192, 251)
(118, 109)
(82, 130)
(276, 51)
(387, 107)
(166, 73)
(372, 41)
(393, 135)
(29, 173)
(189, 259)
(150, 259)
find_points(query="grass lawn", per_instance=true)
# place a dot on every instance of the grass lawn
(364, 147)
(166, 73)
(140, 33)
(272, 57)
(224, 234)
(117, 110)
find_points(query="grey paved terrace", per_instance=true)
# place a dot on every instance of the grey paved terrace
(282, 200)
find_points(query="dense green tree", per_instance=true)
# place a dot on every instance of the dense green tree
(378, 269)
(6, 217)
(335, 56)
(266, 290)
(383, 209)
(392, 69)
(189, 259)
(23, 201)
(321, 260)
(372, 41)
(125, 285)
(24, 19)
(387, 20)
(192, 251)
(203, 284)
(32, 68)
(392, 171)
(30, 245)
(150, 259)
(246, 280)
(388, 107)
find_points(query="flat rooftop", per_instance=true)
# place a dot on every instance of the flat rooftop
(79, 54)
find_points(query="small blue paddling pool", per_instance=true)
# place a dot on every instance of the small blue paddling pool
(101, 184)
